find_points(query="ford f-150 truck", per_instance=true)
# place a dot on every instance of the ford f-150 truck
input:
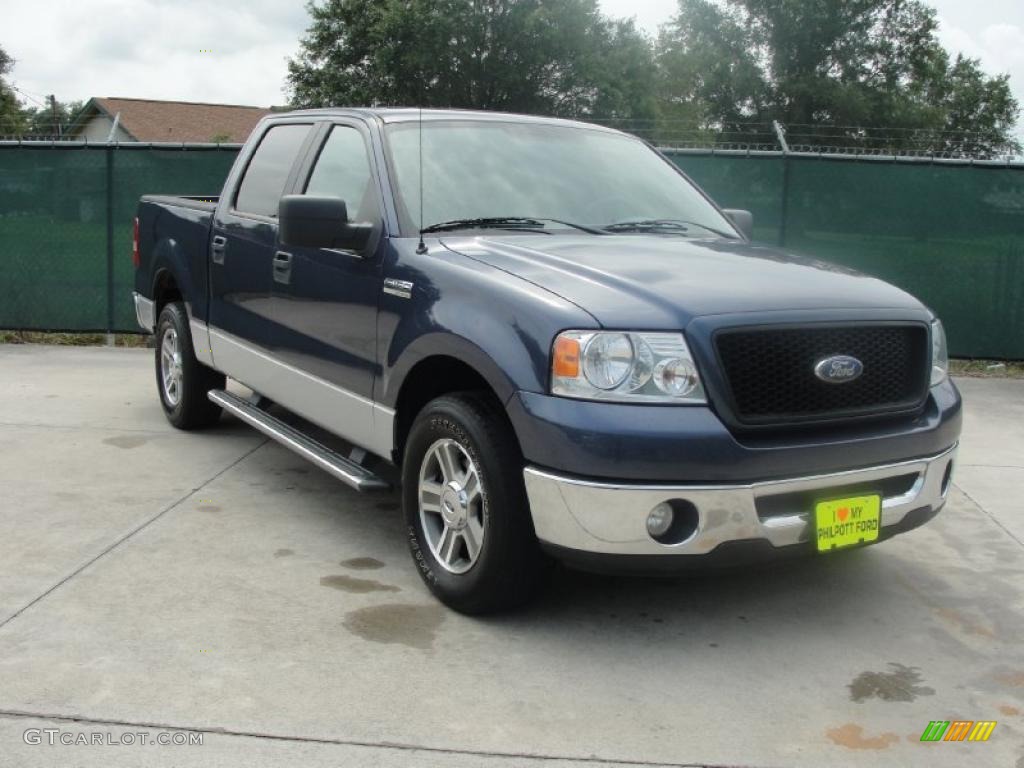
(551, 339)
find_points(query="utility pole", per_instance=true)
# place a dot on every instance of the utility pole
(56, 119)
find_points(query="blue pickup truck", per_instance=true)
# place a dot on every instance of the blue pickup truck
(552, 340)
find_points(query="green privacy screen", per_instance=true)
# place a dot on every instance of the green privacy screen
(952, 234)
(66, 227)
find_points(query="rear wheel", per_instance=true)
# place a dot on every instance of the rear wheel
(465, 505)
(180, 378)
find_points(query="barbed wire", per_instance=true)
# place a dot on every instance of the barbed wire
(825, 139)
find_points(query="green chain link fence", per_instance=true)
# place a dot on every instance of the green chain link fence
(951, 233)
(66, 227)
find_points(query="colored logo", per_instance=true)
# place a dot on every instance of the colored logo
(958, 730)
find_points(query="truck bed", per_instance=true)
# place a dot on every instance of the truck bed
(174, 236)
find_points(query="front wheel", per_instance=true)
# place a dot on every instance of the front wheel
(465, 505)
(181, 379)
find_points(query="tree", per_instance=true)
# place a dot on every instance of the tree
(11, 118)
(50, 121)
(558, 57)
(858, 72)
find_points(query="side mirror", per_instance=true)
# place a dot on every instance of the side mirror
(319, 221)
(744, 221)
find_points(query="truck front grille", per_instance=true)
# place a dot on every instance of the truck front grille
(769, 372)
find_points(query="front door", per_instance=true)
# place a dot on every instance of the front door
(325, 300)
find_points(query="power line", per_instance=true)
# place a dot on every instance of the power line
(28, 96)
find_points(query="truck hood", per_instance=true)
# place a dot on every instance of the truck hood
(656, 281)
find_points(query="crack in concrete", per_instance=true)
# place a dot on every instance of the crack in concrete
(105, 428)
(329, 740)
(130, 534)
(992, 466)
(991, 517)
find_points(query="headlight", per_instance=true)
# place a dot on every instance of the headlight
(625, 367)
(940, 354)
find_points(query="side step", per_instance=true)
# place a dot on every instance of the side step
(346, 470)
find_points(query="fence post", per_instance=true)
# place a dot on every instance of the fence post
(780, 132)
(110, 244)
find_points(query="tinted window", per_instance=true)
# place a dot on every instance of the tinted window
(343, 170)
(264, 180)
(554, 171)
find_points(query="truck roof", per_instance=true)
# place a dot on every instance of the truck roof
(412, 114)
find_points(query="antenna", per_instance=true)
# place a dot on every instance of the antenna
(421, 247)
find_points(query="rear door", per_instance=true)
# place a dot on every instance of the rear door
(325, 300)
(242, 248)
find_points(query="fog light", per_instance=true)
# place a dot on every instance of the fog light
(660, 520)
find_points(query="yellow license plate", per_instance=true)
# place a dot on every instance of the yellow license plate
(847, 522)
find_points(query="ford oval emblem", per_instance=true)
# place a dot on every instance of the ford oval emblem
(838, 369)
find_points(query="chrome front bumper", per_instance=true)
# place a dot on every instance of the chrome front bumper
(610, 518)
(143, 311)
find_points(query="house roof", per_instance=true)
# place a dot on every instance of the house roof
(184, 121)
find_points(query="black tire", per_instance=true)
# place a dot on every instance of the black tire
(509, 566)
(190, 409)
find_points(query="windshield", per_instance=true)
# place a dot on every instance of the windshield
(494, 170)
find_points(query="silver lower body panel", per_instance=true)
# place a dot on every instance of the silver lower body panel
(611, 518)
(144, 312)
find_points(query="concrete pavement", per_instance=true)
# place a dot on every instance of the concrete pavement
(152, 580)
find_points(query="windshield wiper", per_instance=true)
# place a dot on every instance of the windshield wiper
(529, 223)
(662, 225)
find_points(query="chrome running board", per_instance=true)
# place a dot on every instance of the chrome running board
(348, 471)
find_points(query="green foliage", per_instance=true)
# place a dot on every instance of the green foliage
(822, 67)
(11, 119)
(557, 57)
(19, 120)
(50, 120)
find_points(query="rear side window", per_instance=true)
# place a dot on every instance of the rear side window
(264, 179)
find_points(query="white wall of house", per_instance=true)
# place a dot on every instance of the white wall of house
(98, 128)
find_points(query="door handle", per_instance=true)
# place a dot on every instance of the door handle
(282, 267)
(218, 248)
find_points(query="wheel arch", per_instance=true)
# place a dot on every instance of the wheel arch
(165, 289)
(431, 377)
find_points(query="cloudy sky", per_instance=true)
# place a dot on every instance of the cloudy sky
(158, 48)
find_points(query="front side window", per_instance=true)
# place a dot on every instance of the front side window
(267, 173)
(343, 170)
(593, 177)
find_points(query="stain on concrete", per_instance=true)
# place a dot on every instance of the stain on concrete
(126, 441)
(203, 507)
(964, 623)
(414, 626)
(284, 552)
(852, 736)
(901, 684)
(362, 563)
(1014, 678)
(1009, 711)
(356, 586)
